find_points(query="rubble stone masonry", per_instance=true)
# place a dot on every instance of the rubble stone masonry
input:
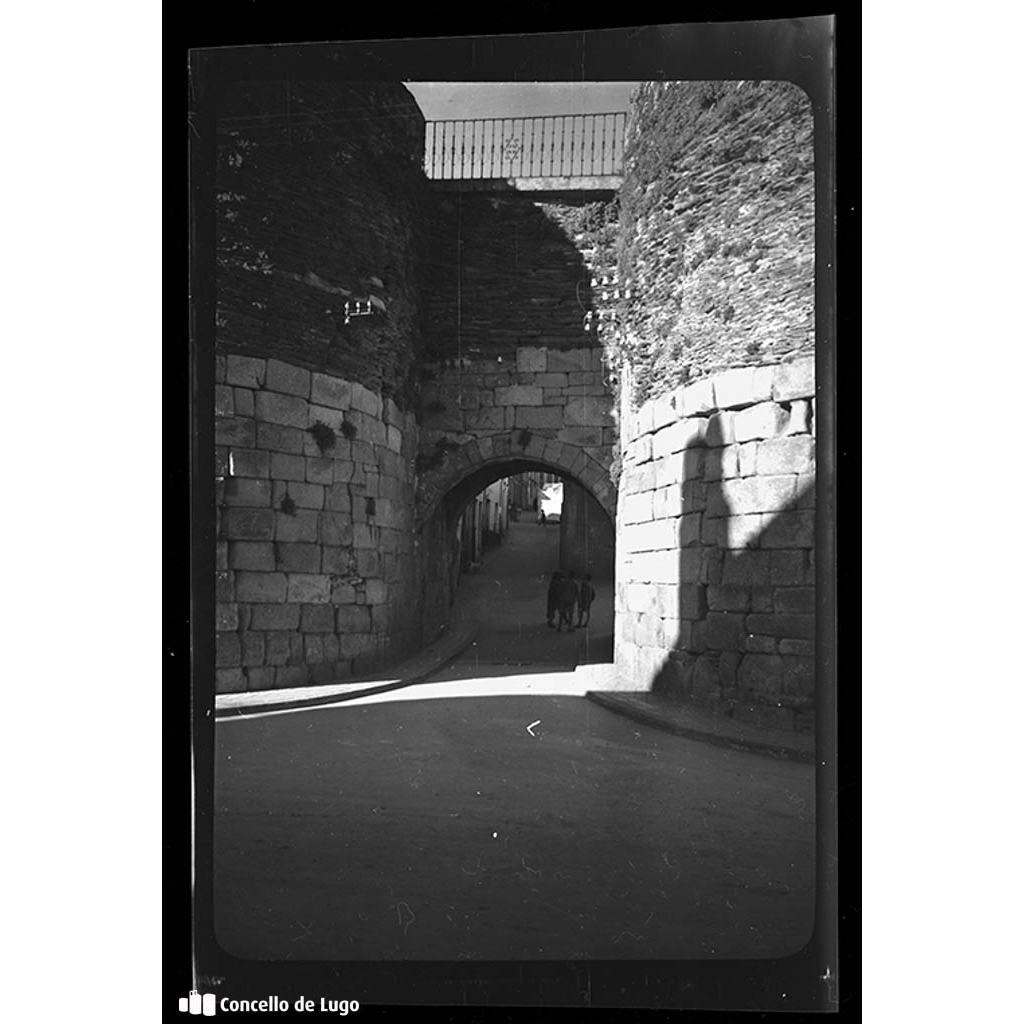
(715, 570)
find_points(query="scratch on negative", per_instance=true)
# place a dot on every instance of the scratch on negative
(412, 916)
(636, 938)
(529, 728)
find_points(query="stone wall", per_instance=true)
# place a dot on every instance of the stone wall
(715, 569)
(321, 199)
(513, 270)
(317, 576)
(717, 231)
(541, 398)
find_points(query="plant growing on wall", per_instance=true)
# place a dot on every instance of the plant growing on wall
(323, 435)
(349, 429)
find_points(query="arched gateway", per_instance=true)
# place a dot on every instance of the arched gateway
(467, 469)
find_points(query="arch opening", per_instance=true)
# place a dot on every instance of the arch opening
(492, 552)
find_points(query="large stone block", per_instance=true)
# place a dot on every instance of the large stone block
(253, 649)
(760, 674)
(273, 437)
(284, 410)
(293, 557)
(246, 372)
(720, 430)
(724, 631)
(760, 421)
(230, 680)
(583, 437)
(261, 678)
(797, 600)
(745, 495)
(288, 467)
(367, 562)
(750, 568)
(786, 455)
(245, 404)
(254, 555)
(518, 394)
(330, 391)
(366, 401)
(575, 360)
(247, 492)
(794, 380)
(338, 561)
(721, 463)
(288, 677)
(298, 526)
(302, 495)
(336, 529)
(275, 616)
(235, 431)
(790, 529)
(319, 471)
(538, 417)
(588, 412)
(801, 648)
(728, 599)
(798, 677)
(743, 387)
(637, 508)
(223, 400)
(788, 568)
(308, 588)
(288, 379)
(249, 462)
(790, 626)
(531, 360)
(801, 419)
(668, 502)
(682, 434)
(226, 615)
(656, 535)
(317, 618)
(277, 646)
(266, 587)
(248, 524)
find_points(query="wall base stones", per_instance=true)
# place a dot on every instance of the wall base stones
(715, 568)
(315, 531)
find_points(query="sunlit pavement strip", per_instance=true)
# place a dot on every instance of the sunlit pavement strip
(546, 684)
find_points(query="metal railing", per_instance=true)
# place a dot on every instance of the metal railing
(558, 145)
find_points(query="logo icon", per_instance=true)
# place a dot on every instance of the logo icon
(197, 1004)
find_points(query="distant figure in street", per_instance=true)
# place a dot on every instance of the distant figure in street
(587, 595)
(543, 520)
(568, 595)
(556, 577)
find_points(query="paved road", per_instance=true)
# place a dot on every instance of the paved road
(495, 814)
(442, 829)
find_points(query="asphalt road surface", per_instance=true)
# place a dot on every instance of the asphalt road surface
(456, 828)
(496, 814)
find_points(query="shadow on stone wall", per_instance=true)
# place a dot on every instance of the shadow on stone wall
(745, 642)
(508, 271)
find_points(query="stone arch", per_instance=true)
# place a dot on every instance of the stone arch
(472, 466)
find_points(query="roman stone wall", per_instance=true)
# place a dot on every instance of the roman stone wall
(321, 199)
(317, 571)
(514, 270)
(716, 232)
(715, 560)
